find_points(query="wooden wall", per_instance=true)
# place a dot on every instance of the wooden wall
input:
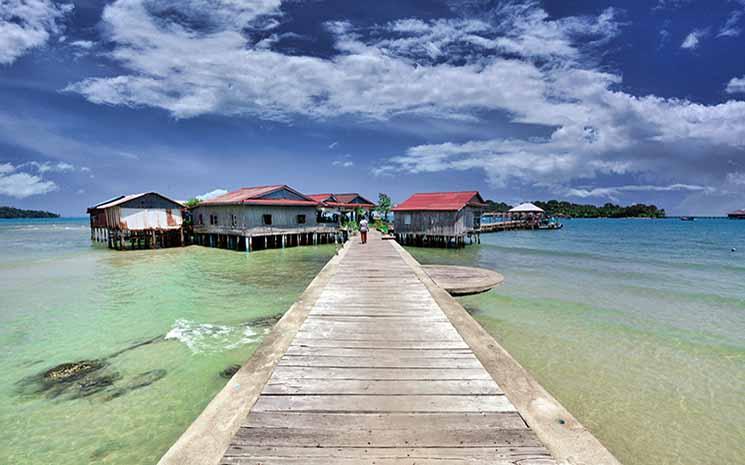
(437, 223)
(150, 211)
(250, 217)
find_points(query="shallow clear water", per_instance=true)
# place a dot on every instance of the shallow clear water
(636, 326)
(64, 300)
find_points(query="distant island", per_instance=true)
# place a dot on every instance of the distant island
(10, 212)
(575, 210)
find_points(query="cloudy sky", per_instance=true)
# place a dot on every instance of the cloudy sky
(584, 100)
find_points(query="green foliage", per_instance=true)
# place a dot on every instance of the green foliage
(10, 212)
(381, 226)
(492, 206)
(609, 210)
(350, 225)
(193, 202)
(384, 204)
(575, 210)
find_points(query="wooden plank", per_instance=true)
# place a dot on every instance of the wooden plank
(419, 336)
(423, 374)
(377, 352)
(460, 361)
(299, 386)
(379, 343)
(414, 453)
(377, 319)
(264, 460)
(373, 403)
(367, 421)
(307, 437)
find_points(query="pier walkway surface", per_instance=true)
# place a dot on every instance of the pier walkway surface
(377, 371)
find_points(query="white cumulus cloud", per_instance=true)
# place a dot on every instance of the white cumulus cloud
(21, 185)
(514, 60)
(693, 39)
(736, 86)
(28, 24)
(211, 194)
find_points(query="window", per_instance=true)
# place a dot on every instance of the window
(267, 219)
(234, 220)
(213, 219)
(407, 218)
(301, 219)
(201, 219)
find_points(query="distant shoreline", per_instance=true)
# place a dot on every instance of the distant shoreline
(10, 213)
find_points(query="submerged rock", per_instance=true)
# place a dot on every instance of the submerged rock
(71, 380)
(264, 321)
(85, 378)
(137, 345)
(68, 372)
(94, 385)
(136, 382)
(228, 372)
(146, 379)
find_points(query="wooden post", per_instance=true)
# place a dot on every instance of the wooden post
(248, 244)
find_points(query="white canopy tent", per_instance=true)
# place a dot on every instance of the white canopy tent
(527, 208)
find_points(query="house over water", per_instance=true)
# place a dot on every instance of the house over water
(336, 205)
(138, 221)
(260, 217)
(439, 219)
(737, 215)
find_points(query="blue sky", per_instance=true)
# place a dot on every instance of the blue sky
(589, 101)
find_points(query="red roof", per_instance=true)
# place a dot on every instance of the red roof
(342, 200)
(441, 201)
(348, 198)
(256, 196)
(321, 197)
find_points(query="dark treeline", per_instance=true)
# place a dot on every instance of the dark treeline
(10, 212)
(575, 210)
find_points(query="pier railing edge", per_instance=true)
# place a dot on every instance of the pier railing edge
(204, 442)
(567, 439)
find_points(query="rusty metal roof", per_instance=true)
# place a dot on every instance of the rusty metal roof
(256, 196)
(441, 201)
(322, 197)
(126, 198)
(349, 197)
(341, 200)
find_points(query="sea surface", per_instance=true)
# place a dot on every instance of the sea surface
(161, 326)
(636, 326)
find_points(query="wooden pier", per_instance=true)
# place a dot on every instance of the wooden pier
(509, 225)
(375, 364)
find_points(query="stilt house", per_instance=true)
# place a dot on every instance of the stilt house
(440, 219)
(136, 221)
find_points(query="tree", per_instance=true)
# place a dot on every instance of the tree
(384, 205)
(193, 202)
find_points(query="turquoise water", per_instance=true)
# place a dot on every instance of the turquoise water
(196, 310)
(636, 326)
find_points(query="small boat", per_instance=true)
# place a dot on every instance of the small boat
(550, 224)
(687, 218)
(737, 215)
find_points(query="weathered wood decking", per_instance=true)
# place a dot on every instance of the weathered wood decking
(377, 374)
(463, 280)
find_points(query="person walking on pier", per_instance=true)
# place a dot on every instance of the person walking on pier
(363, 230)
